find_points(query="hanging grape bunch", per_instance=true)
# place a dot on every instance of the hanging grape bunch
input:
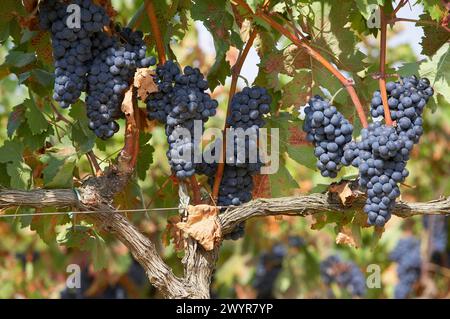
(236, 186)
(383, 151)
(116, 60)
(329, 131)
(407, 256)
(346, 274)
(181, 103)
(89, 59)
(72, 47)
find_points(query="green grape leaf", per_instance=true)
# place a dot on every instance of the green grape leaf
(20, 174)
(437, 70)
(217, 19)
(434, 9)
(45, 226)
(19, 59)
(282, 182)
(83, 138)
(85, 238)
(60, 165)
(433, 37)
(35, 119)
(11, 151)
(145, 156)
(15, 119)
(303, 155)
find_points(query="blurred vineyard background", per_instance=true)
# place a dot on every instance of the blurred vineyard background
(279, 257)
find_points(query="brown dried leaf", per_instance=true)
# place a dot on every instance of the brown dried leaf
(346, 237)
(202, 225)
(344, 192)
(30, 5)
(41, 44)
(273, 63)
(143, 81)
(172, 231)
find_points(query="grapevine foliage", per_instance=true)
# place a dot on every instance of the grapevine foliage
(86, 70)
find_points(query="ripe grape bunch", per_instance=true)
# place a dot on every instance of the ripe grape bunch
(438, 227)
(346, 274)
(72, 47)
(181, 103)
(329, 131)
(270, 265)
(247, 110)
(89, 59)
(383, 152)
(381, 159)
(116, 59)
(406, 99)
(407, 256)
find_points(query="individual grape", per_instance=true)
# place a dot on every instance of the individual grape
(407, 256)
(116, 60)
(72, 47)
(329, 131)
(346, 274)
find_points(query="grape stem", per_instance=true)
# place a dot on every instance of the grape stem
(156, 31)
(382, 77)
(421, 22)
(235, 71)
(399, 6)
(348, 83)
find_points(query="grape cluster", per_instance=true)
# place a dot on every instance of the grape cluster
(181, 103)
(267, 270)
(137, 281)
(381, 160)
(247, 110)
(346, 274)
(329, 131)
(383, 152)
(407, 256)
(72, 47)
(406, 99)
(438, 226)
(89, 59)
(116, 59)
